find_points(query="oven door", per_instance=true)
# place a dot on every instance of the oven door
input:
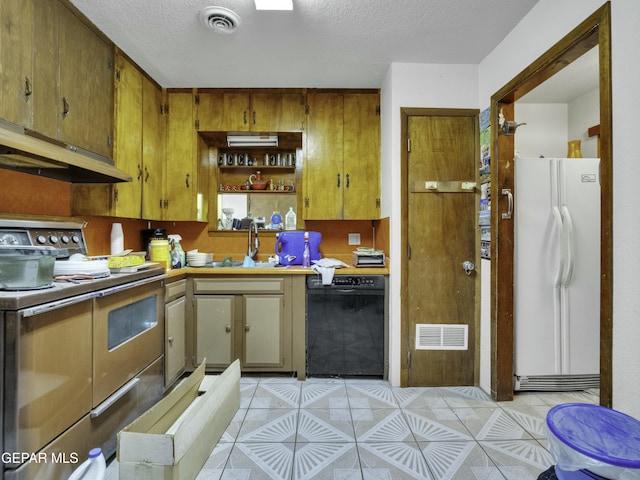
(128, 327)
(47, 372)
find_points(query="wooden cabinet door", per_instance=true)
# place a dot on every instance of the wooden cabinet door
(86, 103)
(323, 165)
(361, 157)
(175, 321)
(16, 76)
(214, 329)
(181, 162)
(277, 112)
(223, 112)
(46, 88)
(153, 150)
(128, 137)
(263, 331)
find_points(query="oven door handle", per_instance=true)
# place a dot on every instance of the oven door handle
(117, 395)
(65, 302)
(126, 286)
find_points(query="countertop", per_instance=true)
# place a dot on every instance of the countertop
(289, 270)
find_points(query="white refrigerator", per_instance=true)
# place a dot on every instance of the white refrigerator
(556, 273)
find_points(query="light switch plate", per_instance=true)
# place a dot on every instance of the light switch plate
(354, 239)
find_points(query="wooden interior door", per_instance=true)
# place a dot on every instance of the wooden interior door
(442, 234)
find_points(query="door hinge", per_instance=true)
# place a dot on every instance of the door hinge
(306, 202)
(166, 109)
(197, 122)
(378, 110)
(118, 74)
(306, 109)
(377, 203)
(115, 195)
(196, 99)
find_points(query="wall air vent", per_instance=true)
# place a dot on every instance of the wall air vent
(431, 336)
(220, 19)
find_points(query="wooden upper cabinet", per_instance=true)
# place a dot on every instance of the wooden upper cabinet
(277, 112)
(224, 111)
(46, 90)
(342, 165)
(181, 183)
(361, 154)
(128, 137)
(323, 163)
(16, 74)
(153, 150)
(86, 85)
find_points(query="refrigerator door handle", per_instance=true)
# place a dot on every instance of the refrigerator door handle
(569, 262)
(507, 214)
(557, 216)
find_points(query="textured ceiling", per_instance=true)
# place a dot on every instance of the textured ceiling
(322, 43)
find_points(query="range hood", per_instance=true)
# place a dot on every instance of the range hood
(25, 151)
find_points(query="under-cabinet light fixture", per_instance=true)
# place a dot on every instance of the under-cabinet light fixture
(274, 4)
(252, 140)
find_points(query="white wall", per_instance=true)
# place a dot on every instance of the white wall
(584, 112)
(509, 58)
(412, 85)
(545, 132)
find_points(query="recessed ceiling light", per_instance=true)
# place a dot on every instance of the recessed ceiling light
(274, 4)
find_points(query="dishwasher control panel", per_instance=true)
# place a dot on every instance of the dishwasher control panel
(348, 281)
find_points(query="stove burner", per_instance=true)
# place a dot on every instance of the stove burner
(26, 289)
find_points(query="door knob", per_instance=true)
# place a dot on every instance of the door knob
(468, 267)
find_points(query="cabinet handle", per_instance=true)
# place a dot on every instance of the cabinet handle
(170, 340)
(338, 181)
(228, 329)
(146, 174)
(347, 181)
(65, 107)
(247, 327)
(27, 88)
(139, 172)
(186, 180)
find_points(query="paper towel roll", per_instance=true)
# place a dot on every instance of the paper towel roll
(117, 239)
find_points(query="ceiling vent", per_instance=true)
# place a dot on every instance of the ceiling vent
(220, 19)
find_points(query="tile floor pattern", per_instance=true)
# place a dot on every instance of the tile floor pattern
(367, 430)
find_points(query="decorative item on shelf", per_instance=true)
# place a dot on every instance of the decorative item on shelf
(574, 149)
(257, 182)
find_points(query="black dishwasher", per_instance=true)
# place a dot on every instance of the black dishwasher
(346, 326)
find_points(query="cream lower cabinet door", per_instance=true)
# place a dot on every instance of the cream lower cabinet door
(263, 331)
(175, 321)
(215, 316)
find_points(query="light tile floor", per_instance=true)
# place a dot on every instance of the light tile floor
(367, 430)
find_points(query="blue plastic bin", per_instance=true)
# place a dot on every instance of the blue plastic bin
(590, 441)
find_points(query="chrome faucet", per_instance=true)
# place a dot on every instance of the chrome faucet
(256, 243)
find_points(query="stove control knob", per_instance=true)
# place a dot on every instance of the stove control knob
(41, 239)
(53, 239)
(75, 239)
(64, 239)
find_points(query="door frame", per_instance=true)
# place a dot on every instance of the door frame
(594, 31)
(405, 113)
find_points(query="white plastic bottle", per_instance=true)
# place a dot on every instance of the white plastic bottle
(94, 468)
(306, 253)
(290, 220)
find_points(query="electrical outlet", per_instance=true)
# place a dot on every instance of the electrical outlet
(354, 239)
